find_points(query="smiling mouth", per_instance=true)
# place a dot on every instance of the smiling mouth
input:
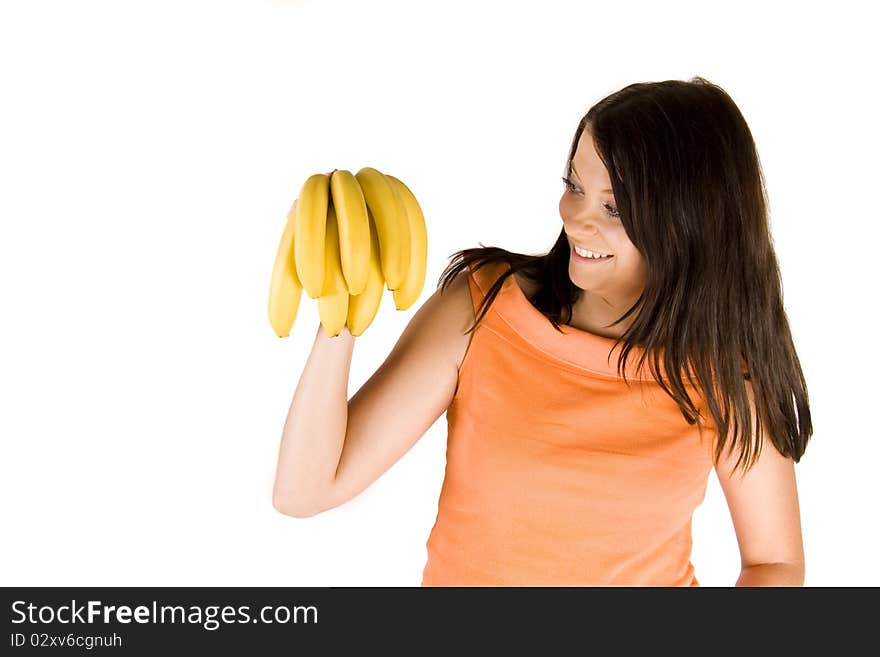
(585, 258)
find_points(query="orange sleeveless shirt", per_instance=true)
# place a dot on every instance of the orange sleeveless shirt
(557, 473)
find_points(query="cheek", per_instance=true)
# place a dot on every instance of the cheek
(630, 258)
(563, 206)
(637, 267)
(618, 238)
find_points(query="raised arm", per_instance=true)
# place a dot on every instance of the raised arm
(332, 450)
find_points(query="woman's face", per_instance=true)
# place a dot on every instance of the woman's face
(588, 212)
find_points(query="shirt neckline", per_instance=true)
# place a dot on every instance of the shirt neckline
(573, 346)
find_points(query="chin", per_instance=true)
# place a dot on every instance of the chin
(576, 280)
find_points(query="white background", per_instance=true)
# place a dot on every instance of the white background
(149, 153)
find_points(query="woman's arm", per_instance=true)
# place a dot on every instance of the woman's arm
(766, 515)
(333, 448)
(772, 574)
(315, 425)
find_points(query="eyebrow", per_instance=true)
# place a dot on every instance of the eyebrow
(579, 177)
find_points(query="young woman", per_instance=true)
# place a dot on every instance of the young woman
(590, 390)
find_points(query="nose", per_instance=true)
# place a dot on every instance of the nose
(580, 225)
(580, 222)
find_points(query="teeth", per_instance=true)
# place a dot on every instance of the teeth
(586, 253)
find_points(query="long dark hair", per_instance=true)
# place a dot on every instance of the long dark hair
(691, 194)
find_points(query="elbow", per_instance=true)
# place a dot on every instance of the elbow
(785, 573)
(294, 506)
(799, 573)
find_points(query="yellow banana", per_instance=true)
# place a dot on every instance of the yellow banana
(392, 226)
(354, 229)
(285, 289)
(362, 308)
(333, 301)
(310, 233)
(412, 285)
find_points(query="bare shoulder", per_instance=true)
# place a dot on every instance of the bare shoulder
(457, 310)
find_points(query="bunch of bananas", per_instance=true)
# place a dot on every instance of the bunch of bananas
(348, 236)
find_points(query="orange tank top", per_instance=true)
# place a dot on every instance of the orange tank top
(557, 473)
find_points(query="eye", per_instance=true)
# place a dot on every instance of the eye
(570, 186)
